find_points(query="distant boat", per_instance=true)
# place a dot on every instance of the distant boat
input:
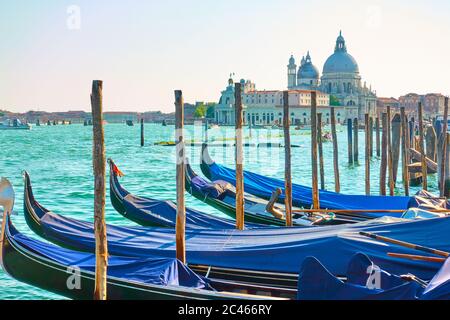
(213, 126)
(14, 124)
(130, 123)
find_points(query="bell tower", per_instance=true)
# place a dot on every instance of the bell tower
(292, 73)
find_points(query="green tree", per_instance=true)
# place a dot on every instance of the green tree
(200, 111)
(334, 101)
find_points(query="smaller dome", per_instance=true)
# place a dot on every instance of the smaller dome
(307, 70)
(291, 60)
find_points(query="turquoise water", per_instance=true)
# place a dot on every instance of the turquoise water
(58, 159)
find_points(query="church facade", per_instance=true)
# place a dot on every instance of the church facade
(340, 85)
(340, 79)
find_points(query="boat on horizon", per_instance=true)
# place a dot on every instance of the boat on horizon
(14, 124)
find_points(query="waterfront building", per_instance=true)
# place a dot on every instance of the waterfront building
(432, 103)
(265, 107)
(383, 102)
(120, 117)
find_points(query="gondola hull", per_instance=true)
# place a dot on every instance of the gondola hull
(30, 266)
(262, 187)
(34, 212)
(254, 208)
(155, 213)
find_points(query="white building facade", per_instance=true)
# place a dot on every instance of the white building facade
(265, 108)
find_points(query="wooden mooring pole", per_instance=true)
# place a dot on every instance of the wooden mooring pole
(412, 132)
(350, 141)
(395, 144)
(446, 171)
(239, 159)
(377, 133)
(320, 145)
(142, 132)
(315, 184)
(390, 160)
(99, 166)
(422, 148)
(367, 154)
(355, 141)
(287, 161)
(371, 136)
(337, 183)
(431, 143)
(383, 163)
(405, 148)
(443, 166)
(180, 226)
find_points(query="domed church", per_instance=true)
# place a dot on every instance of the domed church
(340, 78)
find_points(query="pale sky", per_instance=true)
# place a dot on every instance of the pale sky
(143, 50)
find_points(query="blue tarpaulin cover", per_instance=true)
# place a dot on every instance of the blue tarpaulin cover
(268, 249)
(365, 281)
(263, 187)
(439, 286)
(150, 270)
(164, 213)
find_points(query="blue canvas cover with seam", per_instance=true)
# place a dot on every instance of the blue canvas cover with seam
(367, 281)
(149, 270)
(263, 187)
(269, 249)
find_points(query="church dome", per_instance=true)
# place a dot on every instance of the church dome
(340, 61)
(307, 70)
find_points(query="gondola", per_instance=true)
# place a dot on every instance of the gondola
(261, 186)
(72, 274)
(367, 281)
(222, 196)
(35, 214)
(267, 256)
(151, 212)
